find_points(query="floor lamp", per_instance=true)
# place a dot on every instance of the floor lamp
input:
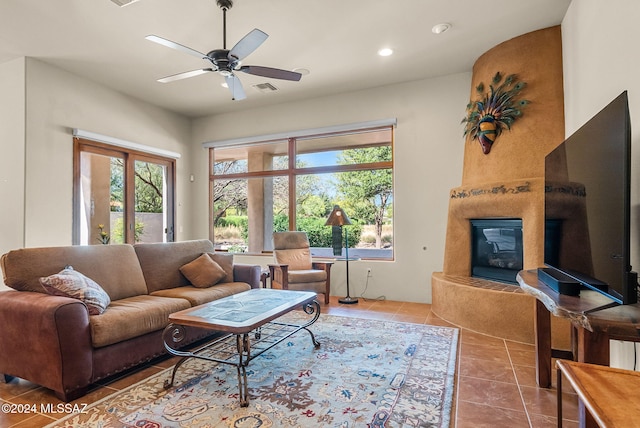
(339, 218)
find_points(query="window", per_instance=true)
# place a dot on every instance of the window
(121, 195)
(293, 183)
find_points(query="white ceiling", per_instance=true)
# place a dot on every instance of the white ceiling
(336, 40)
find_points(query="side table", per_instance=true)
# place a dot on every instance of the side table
(590, 346)
(595, 321)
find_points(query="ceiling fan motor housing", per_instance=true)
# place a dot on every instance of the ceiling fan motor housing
(225, 4)
(220, 59)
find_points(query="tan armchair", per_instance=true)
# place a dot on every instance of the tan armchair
(294, 269)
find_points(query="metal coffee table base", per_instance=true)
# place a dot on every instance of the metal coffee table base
(222, 350)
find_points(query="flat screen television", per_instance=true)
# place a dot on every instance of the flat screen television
(587, 188)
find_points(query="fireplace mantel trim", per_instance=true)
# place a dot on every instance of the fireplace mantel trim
(500, 189)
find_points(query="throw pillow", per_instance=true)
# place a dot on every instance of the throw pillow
(203, 272)
(225, 260)
(70, 283)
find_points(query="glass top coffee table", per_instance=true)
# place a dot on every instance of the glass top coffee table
(251, 313)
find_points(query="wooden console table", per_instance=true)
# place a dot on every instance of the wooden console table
(592, 327)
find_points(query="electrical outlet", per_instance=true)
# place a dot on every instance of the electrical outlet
(369, 272)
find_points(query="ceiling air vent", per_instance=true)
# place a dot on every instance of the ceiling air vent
(265, 87)
(123, 2)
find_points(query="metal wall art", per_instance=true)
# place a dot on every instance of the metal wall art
(496, 110)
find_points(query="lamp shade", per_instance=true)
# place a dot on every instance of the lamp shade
(337, 217)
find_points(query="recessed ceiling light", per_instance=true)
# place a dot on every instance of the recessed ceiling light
(224, 85)
(303, 71)
(122, 3)
(440, 28)
(385, 52)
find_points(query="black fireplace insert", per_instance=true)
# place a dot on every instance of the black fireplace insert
(496, 250)
(497, 247)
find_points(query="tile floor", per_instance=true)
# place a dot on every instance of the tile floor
(495, 379)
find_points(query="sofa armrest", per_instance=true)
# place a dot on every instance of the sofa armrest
(46, 340)
(247, 273)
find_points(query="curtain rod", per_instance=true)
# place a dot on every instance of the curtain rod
(301, 133)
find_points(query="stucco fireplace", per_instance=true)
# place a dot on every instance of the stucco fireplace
(506, 183)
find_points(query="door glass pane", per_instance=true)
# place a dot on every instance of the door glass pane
(101, 199)
(150, 206)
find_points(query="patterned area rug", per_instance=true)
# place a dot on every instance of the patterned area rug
(366, 373)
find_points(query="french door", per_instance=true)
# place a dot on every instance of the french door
(121, 196)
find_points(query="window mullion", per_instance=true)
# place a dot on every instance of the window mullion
(292, 183)
(130, 199)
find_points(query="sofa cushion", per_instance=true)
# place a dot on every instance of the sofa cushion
(161, 262)
(70, 283)
(199, 296)
(203, 272)
(132, 317)
(114, 267)
(225, 260)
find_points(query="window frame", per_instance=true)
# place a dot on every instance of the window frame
(129, 156)
(292, 172)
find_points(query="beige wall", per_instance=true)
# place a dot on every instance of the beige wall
(12, 167)
(599, 40)
(57, 102)
(40, 106)
(428, 162)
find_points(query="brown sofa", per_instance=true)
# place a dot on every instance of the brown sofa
(54, 342)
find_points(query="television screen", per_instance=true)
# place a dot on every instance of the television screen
(587, 188)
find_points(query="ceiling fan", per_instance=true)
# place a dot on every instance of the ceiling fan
(226, 62)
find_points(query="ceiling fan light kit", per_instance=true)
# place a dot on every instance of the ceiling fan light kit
(227, 62)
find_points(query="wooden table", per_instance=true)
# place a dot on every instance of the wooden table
(612, 396)
(593, 327)
(589, 345)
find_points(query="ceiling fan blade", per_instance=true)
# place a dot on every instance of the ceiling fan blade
(176, 46)
(235, 86)
(274, 73)
(184, 75)
(248, 44)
